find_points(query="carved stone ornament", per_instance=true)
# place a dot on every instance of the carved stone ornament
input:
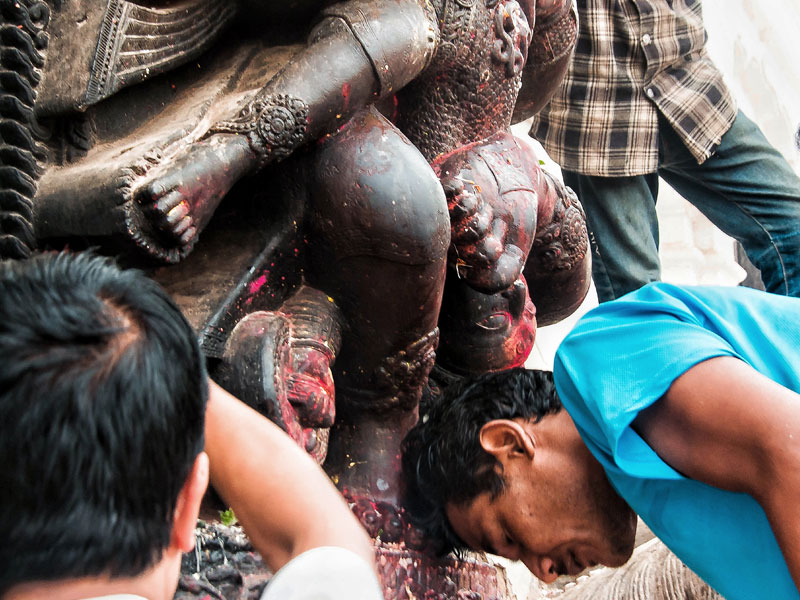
(400, 378)
(406, 371)
(138, 42)
(563, 244)
(23, 25)
(513, 38)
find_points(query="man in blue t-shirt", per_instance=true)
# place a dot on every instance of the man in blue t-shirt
(682, 406)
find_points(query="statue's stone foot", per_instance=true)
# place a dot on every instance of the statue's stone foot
(169, 212)
(225, 564)
(180, 195)
(407, 567)
(386, 522)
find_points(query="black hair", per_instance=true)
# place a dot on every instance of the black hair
(443, 461)
(102, 405)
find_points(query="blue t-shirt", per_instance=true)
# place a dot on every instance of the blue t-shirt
(623, 356)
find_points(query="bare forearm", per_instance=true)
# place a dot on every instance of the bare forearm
(727, 425)
(780, 485)
(285, 502)
(784, 517)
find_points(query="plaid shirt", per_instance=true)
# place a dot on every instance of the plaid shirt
(633, 59)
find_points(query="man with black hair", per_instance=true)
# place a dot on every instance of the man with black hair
(682, 406)
(104, 411)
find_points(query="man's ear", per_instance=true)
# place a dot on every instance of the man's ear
(505, 439)
(187, 508)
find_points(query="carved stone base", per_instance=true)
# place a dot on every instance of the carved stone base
(226, 567)
(223, 566)
(408, 574)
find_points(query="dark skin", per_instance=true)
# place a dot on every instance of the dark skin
(558, 513)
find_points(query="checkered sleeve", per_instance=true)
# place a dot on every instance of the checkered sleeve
(634, 59)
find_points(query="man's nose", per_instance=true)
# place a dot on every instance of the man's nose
(542, 567)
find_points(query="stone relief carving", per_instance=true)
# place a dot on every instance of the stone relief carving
(331, 191)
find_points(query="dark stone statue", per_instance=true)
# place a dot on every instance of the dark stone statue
(330, 191)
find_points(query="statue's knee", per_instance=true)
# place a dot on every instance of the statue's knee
(374, 194)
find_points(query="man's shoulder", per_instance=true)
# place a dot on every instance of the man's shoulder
(623, 355)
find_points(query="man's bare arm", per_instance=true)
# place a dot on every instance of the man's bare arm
(283, 499)
(725, 424)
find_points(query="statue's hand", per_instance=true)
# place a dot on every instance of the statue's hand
(473, 237)
(541, 10)
(309, 387)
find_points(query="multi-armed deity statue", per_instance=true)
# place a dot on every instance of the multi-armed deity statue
(331, 191)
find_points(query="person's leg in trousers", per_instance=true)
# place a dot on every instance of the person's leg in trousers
(623, 230)
(750, 192)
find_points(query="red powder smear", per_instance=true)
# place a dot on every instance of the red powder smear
(346, 96)
(257, 284)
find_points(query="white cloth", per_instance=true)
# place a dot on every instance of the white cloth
(118, 597)
(325, 573)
